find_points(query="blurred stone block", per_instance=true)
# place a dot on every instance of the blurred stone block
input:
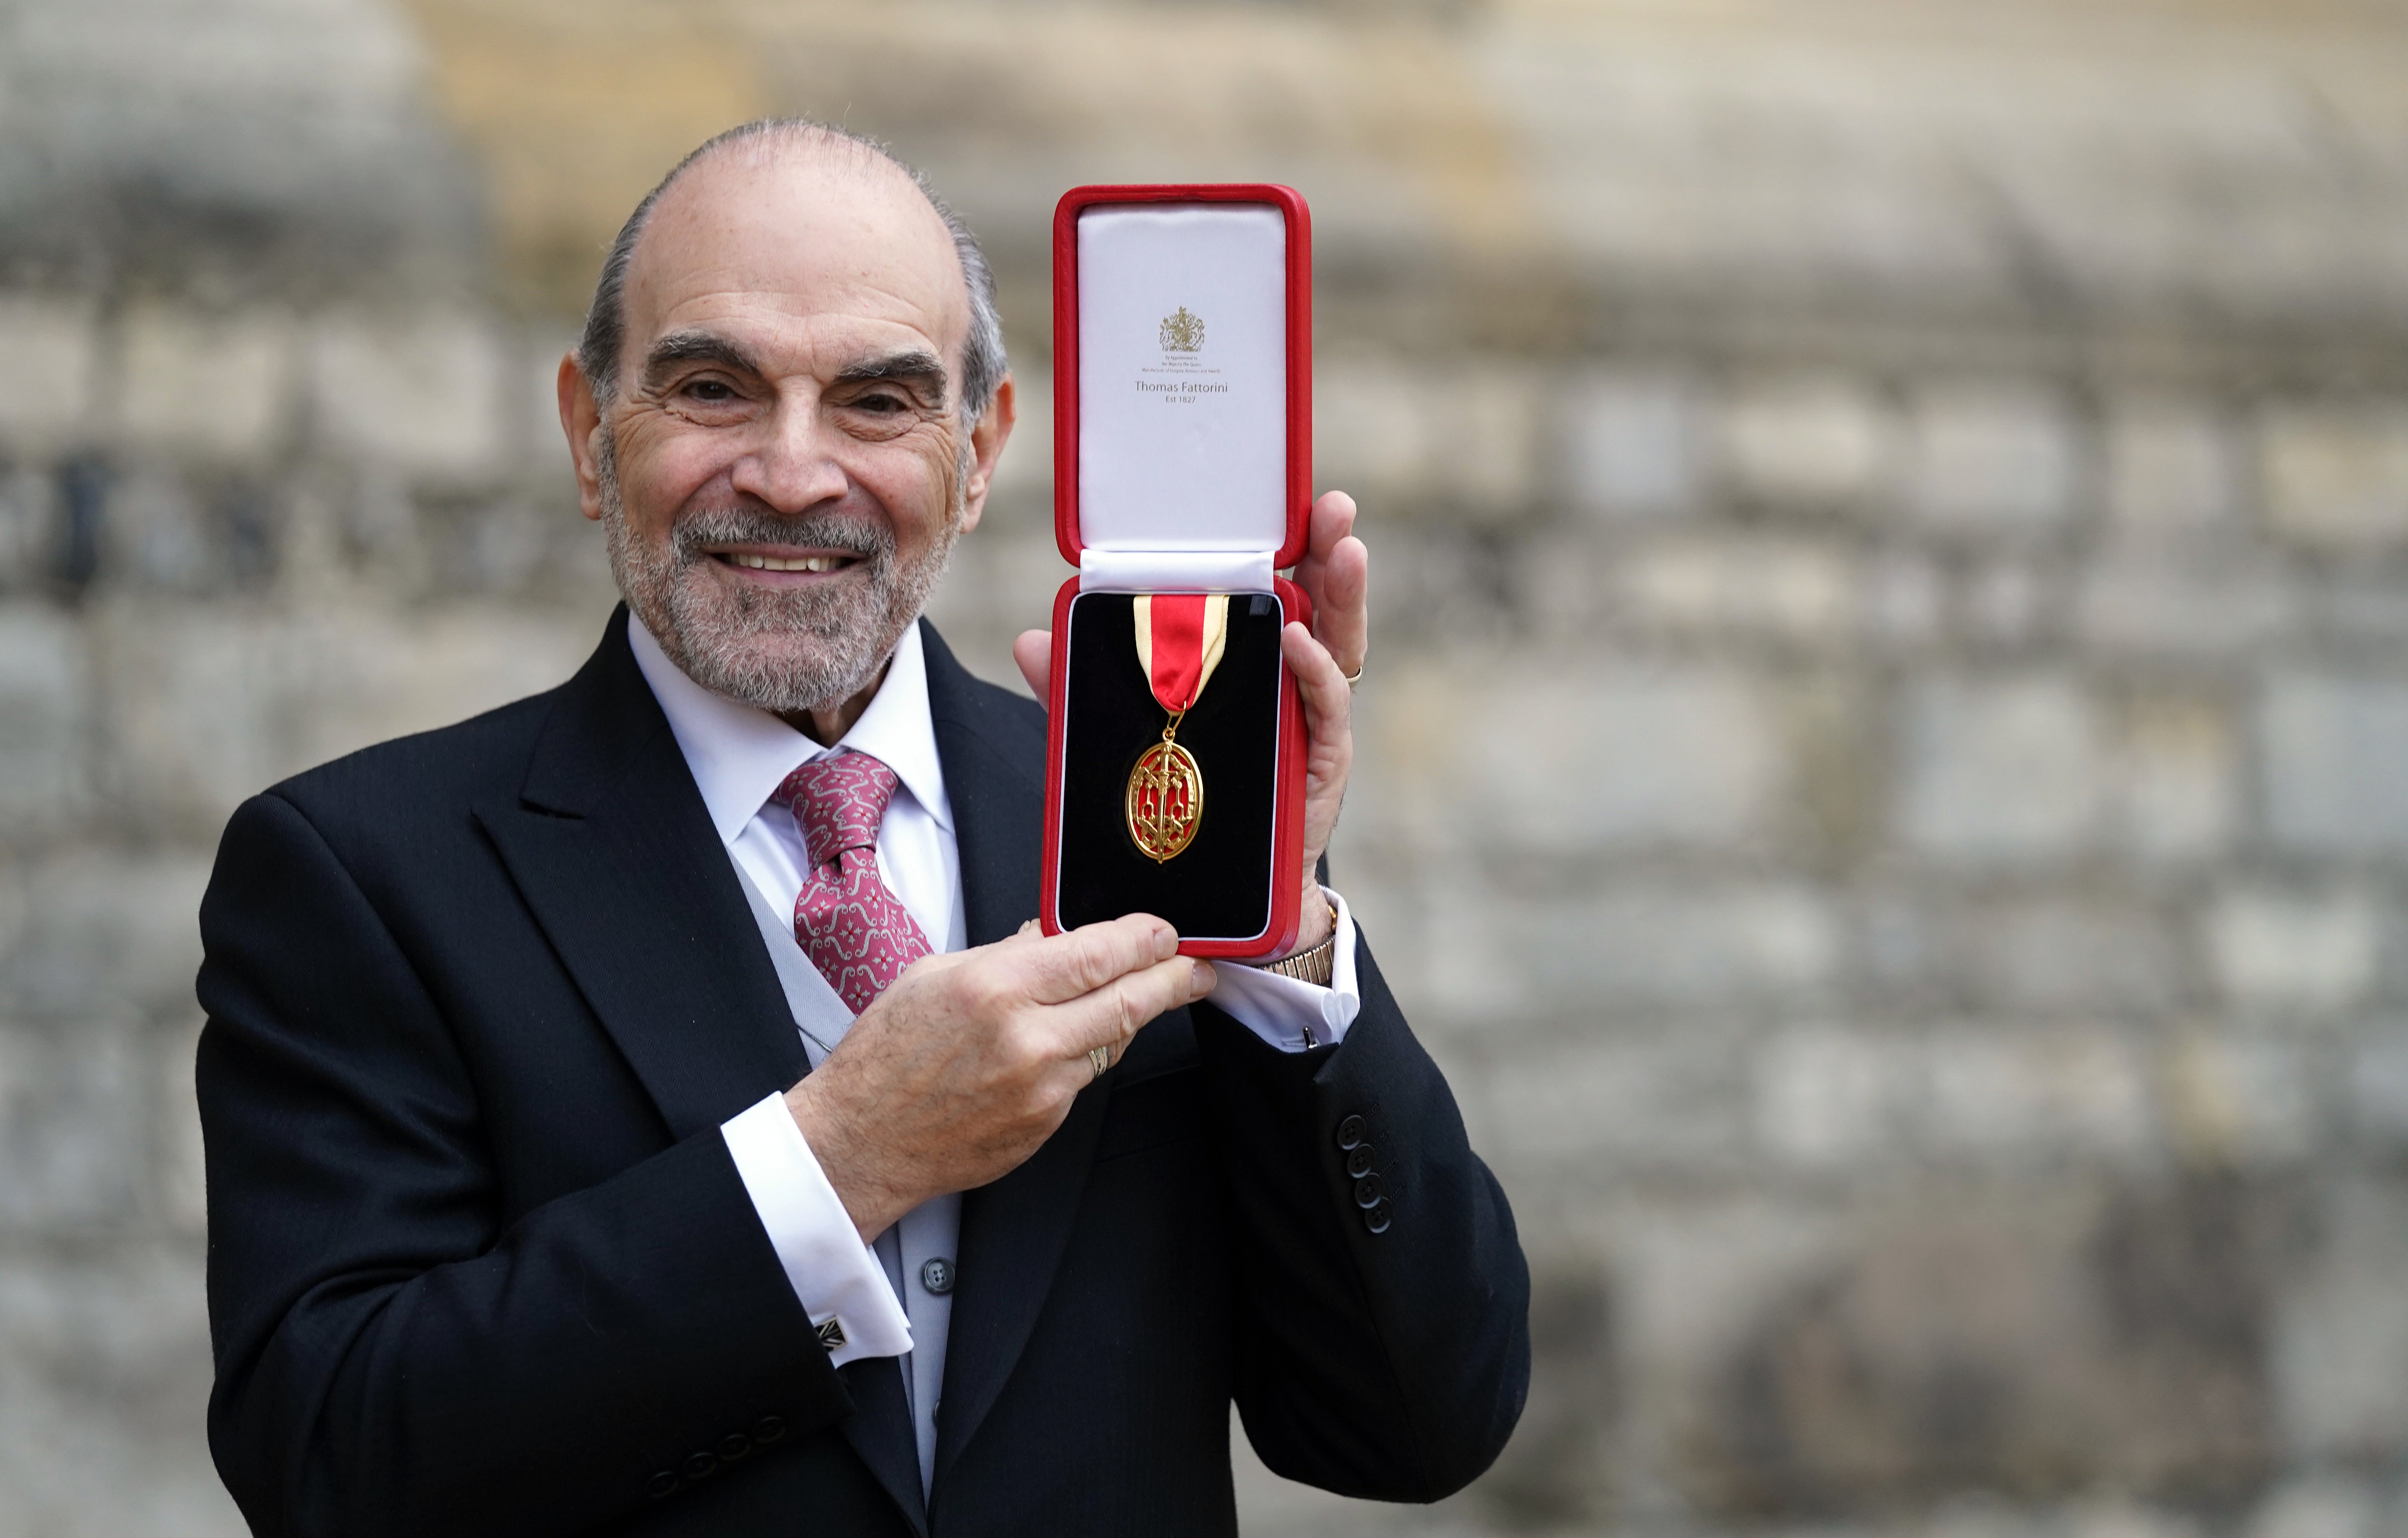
(48, 361)
(1508, 957)
(2242, 1102)
(1465, 436)
(1826, 440)
(180, 1173)
(2037, 1339)
(214, 386)
(2007, 770)
(1785, 588)
(1369, 434)
(2177, 780)
(2061, 956)
(2336, 475)
(104, 933)
(2144, 601)
(2006, 603)
(1992, 456)
(28, 514)
(1831, 1098)
(2333, 752)
(1630, 445)
(2340, 1345)
(1587, 1109)
(2294, 952)
(2013, 1096)
(208, 706)
(1902, 599)
(2172, 469)
(2320, 1505)
(1564, 756)
(536, 352)
(1026, 469)
(105, 1352)
(44, 716)
(1827, 1097)
(1490, 422)
(72, 1128)
(2378, 1086)
(421, 391)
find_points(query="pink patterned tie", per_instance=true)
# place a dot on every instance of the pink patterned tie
(856, 932)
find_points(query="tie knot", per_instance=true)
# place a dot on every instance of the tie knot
(838, 800)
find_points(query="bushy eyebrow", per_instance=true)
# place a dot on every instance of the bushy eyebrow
(683, 347)
(913, 366)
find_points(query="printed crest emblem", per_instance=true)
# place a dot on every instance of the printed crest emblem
(1183, 332)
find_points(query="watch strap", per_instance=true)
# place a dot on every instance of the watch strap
(1315, 965)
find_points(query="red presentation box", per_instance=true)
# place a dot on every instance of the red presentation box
(1183, 465)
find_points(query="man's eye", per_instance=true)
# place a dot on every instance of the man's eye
(885, 405)
(712, 392)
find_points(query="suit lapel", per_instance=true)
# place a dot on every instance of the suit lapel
(1014, 1231)
(612, 849)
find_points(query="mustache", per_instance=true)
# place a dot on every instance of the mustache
(868, 538)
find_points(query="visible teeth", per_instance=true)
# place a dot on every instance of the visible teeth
(772, 562)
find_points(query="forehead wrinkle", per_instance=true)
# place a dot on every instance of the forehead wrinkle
(756, 232)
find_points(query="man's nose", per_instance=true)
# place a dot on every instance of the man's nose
(794, 466)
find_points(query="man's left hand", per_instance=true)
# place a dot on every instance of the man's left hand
(1335, 571)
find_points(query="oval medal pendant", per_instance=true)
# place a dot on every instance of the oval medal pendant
(1166, 800)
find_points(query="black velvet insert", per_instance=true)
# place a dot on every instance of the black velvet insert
(1219, 886)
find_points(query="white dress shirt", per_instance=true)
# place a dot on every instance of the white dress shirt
(738, 756)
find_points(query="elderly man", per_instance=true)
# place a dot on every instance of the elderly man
(647, 1108)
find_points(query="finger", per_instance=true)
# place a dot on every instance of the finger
(1058, 969)
(1333, 519)
(1034, 652)
(1341, 615)
(1328, 704)
(1113, 1014)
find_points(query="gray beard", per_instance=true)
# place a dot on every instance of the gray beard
(783, 650)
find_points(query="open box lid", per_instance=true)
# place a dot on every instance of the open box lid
(1182, 347)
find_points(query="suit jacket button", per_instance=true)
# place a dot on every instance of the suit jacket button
(1369, 1191)
(1376, 1218)
(661, 1484)
(701, 1466)
(937, 1276)
(1350, 1132)
(735, 1445)
(1358, 1163)
(768, 1428)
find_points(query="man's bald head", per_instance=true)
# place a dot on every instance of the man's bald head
(599, 353)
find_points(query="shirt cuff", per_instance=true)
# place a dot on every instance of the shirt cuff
(834, 1275)
(1280, 1009)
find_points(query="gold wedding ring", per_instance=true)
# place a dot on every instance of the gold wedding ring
(1354, 678)
(1099, 1058)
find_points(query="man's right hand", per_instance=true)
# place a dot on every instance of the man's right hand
(969, 1061)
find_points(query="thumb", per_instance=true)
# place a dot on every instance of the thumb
(1034, 652)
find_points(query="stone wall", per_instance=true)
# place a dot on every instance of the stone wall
(1885, 761)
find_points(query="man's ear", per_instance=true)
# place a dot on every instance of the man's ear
(580, 418)
(994, 430)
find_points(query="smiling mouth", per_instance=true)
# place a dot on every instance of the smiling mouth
(751, 562)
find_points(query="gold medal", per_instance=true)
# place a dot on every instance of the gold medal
(1166, 798)
(1180, 638)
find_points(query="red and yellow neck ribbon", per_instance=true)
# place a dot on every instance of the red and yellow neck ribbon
(1180, 636)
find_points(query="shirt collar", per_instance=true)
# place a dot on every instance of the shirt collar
(738, 754)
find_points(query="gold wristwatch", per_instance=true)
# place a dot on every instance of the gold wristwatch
(1315, 965)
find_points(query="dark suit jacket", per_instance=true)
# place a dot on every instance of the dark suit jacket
(480, 1261)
